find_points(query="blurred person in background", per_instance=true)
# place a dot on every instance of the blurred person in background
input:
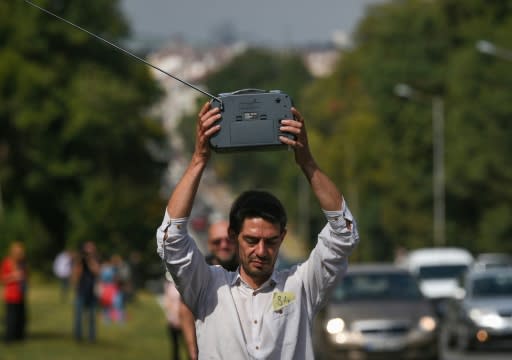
(86, 269)
(113, 282)
(221, 251)
(108, 292)
(124, 284)
(14, 275)
(172, 307)
(62, 266)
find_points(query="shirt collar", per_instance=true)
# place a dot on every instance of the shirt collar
(272, 281)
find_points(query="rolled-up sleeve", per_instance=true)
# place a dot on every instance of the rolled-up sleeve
(182, 259)
(329, 259)
(343, 226)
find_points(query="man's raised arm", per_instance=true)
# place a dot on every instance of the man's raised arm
(181, 256)
(182, 199)
(325, 190)
(329, 259)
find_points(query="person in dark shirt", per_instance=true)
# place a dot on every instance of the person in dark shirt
(86, 269)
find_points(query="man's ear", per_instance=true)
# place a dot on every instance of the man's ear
(283, 234)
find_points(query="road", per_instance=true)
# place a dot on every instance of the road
(477, 355)
(451, 354)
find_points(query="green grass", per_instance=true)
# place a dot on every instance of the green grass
(49, 332)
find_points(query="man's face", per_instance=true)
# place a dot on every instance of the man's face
(258, 246)
(89, 248)
(219, 243)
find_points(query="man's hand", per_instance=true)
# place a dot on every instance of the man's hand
(300, 145)
(324, 189)
(205, 129)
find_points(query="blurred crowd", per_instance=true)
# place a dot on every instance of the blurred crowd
(89, 282)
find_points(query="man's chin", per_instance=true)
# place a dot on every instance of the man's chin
(226, 260)
(260, 270)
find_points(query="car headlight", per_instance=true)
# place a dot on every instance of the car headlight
(486, 318)
(335, 326)
(427, 323)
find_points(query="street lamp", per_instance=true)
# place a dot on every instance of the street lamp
(487, 47)
(438, 179)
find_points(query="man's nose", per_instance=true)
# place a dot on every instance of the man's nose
(226, 243)
(261, 248)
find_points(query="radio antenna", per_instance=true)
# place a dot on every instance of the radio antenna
(124, 51)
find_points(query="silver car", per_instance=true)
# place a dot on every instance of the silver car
(377, 311)
(482, 315)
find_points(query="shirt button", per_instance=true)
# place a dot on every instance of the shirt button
(257, 347)
(255, 321)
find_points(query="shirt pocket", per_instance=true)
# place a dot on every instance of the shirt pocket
(284, 312)
(281, 322)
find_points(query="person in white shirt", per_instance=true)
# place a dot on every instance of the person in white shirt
(62, 268)
(256, 312)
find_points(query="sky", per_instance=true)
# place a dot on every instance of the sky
(275, 22)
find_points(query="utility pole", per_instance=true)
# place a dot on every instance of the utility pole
(438, 178)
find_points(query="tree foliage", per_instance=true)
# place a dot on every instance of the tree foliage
(379, 148)
(74, 131)
(384, 144)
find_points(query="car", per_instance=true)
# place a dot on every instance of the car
(492, 260)
(482, 314)
(438, 270)
(376, 311)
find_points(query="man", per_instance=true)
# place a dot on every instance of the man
(14, 276)
(62, 267)
(86, 269)
(255, 312)
(221, 248)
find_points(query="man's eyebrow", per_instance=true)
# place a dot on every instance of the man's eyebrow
(250, 237)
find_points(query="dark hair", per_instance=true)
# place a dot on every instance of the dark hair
(256, 203)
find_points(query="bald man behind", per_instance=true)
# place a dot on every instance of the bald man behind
(221, 248)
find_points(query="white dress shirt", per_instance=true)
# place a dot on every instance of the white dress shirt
(234, 321)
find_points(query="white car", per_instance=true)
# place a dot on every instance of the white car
(438, 270)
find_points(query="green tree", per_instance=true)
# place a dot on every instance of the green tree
(74, 130)
(383, 145)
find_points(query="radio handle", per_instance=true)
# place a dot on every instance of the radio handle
(248, 91)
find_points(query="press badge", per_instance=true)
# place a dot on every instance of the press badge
(282, 299)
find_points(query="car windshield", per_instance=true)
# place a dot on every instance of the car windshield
(493, 285)
(441, 272)
(376, 286)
